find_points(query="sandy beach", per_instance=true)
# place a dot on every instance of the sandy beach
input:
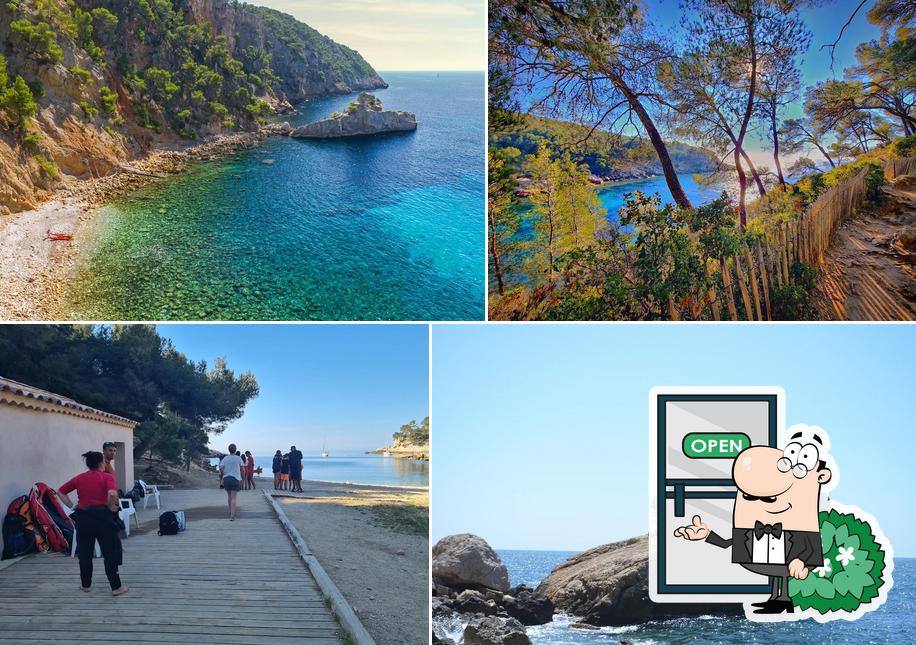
(373, 543)
(36, 270)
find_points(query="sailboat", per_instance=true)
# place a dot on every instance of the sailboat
(324, 451)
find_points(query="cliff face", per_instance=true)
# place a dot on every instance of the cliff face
(308, 63)
(87, 85)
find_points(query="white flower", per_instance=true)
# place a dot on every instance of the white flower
(824, 570)
(845, 555)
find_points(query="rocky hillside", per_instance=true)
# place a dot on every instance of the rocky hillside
(86, 85)
(608, 155)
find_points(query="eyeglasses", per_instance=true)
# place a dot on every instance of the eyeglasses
(799, 459)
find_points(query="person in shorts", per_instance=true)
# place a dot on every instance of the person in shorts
(275, 467)
(230, 467)
(284, 472)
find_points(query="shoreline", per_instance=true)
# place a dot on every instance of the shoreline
(36, 270)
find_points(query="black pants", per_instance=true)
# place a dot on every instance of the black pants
(98, 523)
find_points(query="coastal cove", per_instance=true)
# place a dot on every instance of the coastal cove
(364, 228)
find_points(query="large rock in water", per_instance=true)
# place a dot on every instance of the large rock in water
(363, 117)
(490, 630)
(466, 560)
(609, 585)
(527, 606)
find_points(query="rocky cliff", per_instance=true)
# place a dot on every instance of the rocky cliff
(86, 85)
(363, 117)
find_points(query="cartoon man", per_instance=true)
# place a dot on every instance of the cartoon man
(776, 532)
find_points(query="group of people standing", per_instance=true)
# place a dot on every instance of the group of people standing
(287, 469)
(236, 472)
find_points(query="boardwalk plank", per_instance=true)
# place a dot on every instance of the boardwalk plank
(236, 583)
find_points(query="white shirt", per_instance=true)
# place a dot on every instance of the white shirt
(232, 466)
(770, 550)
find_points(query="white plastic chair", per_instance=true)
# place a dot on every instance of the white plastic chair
(69, 511)
(150, 490)
(128, 510)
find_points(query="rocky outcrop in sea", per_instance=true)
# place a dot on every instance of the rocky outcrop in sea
(472, 600)
(363, 117)
(609, 585)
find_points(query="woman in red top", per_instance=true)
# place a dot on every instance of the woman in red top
(96, 518)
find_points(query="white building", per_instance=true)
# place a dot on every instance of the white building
(43, 435)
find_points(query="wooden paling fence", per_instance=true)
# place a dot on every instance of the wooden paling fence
(749, 277)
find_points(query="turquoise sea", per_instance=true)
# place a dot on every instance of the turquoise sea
(356, 468)
(384, 228)
(892, 623)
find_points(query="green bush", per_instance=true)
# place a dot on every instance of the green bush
(874, 180)
(906, 147)
(853, 571)
(794, 301)
(109, 100)
(83, 75)
(47, 167)
(88, 111)
(17, 102)
(38, 39)
(31, 139)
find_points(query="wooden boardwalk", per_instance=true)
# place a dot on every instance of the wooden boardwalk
(218, 582)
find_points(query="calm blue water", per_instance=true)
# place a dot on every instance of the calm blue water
(356, 468)
(892, 623)
(384, 228)
(612, 195)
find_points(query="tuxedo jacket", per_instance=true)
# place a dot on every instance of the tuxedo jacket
(801, 545)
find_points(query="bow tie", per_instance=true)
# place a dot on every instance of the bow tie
(761, 529)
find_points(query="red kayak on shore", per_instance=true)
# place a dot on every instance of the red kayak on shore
(60, 236)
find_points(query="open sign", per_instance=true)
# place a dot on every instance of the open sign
(714, 445)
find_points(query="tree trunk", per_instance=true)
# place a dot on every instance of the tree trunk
(671, 178)
(779, 176)
(497, 269)
(742, 188)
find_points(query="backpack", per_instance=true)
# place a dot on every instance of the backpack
(18, 534)
(171, 522)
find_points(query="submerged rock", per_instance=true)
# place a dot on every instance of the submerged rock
(466, 560)
(363, 117)
(609, 585)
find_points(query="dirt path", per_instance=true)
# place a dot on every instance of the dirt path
(373, 543)
(869, 272)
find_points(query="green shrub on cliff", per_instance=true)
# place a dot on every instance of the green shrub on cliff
(17, 102)
(39, 40)
(47, 167)
(109, 100)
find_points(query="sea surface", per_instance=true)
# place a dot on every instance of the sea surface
(355, 468)
(894, 622)
(612, 195)
(383, 228)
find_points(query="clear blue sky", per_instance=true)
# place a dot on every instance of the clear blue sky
(540, 432)
(352, 384)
